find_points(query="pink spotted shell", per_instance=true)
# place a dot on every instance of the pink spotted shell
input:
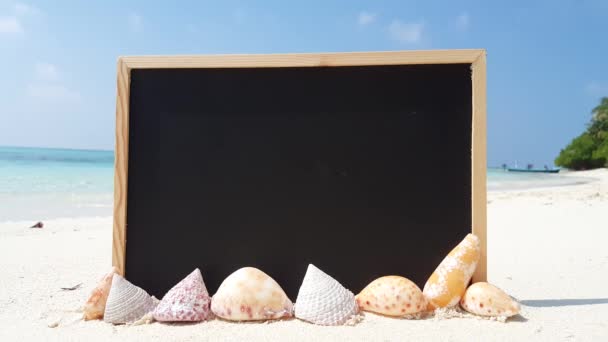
(188, 301)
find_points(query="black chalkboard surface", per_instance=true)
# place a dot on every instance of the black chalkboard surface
(363, 171)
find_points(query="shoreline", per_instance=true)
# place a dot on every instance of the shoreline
(578, 178)
(596, 183)
(546, 247)
(51, 206)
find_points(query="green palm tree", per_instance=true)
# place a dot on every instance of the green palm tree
(590, 149)
(598, 127)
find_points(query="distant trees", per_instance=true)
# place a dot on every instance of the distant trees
(590, 149)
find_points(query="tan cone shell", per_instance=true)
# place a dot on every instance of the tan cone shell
(249, 294)
(96, 304)
(323, 300)
(485, 299)
(126, 302)
(392, 296)
(447, 284)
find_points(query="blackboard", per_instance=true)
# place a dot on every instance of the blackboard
(362, 170)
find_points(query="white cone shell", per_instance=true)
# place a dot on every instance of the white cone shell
(126, 302)
(323, 300)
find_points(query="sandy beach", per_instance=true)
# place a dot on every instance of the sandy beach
(547, 248)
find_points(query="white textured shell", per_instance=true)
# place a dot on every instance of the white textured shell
(485, 299)
(126, 302)
(249, 294)
(323, 300)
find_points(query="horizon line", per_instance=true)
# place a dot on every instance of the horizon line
(57, 148)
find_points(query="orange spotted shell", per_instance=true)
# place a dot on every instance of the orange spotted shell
(485, 299)
(447, 284)
(391, 296)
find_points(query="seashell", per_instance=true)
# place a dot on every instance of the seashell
(126, 302)
(147, 318)
(447, 284)
(249, 294)
(323, 300)
(392, 296)
(485, 299)
(96, 304)
(188, 301)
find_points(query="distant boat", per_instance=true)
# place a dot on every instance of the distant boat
(530, 168)
(533, 170)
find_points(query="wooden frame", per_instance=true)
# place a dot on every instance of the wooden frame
(477, 59)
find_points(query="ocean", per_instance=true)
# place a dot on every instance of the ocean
(48, 183)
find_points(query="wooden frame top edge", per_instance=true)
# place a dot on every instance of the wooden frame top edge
(303, 59)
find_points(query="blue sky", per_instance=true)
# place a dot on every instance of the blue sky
(547, 60)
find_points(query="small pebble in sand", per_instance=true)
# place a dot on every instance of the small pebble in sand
(71, 288)
(38, 225)
(54, 324)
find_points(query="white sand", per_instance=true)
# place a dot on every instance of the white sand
(547, 247)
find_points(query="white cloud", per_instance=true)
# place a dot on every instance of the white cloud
(24, 9)
(136, 22)
(10, 25)
(46, 71)
(595, 88)
(366, 18)
(463, 21)
(52, 93)
(406, 32)
(13, 24)
(46, 85)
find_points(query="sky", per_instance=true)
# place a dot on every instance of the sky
(547, 60)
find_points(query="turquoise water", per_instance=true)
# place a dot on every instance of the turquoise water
(37, 183)
(499, 179)
(37, 170)
(40, 183)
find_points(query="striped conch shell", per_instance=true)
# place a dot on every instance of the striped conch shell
(392, 296)
(127, 303)
(485, 299)
(96, 304)
(447, 284)
(249, 294)
(323, 300)
(188, 301)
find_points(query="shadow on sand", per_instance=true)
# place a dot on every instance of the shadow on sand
(547, 303)
(518, 318)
